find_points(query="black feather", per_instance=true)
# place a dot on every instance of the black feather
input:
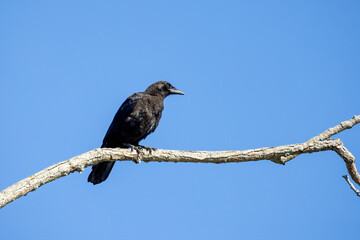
(136, 118)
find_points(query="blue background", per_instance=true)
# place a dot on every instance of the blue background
(255, 74)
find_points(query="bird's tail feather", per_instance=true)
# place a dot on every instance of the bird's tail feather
(100, 172)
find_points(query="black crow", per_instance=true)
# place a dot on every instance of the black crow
(136, 118)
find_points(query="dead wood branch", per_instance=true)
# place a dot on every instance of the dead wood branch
(330, 132)
(279, 154)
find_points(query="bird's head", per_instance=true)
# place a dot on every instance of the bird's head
(163, 89)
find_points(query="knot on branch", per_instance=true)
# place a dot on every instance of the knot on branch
(279, 160)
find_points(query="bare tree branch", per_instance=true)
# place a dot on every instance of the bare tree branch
(279, 154)
(329, 133)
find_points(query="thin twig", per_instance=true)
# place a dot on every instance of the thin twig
(357, 192)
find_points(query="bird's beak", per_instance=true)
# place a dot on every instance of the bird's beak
(175, 91)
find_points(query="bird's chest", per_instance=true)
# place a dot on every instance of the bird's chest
(143, 121)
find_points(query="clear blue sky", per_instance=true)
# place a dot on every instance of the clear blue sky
(255, 74)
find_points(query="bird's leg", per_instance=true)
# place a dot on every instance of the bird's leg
(138, 151)
(147, 148)
(139, 148)
(133, 147)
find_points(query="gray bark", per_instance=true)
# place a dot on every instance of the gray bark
(280, 155)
